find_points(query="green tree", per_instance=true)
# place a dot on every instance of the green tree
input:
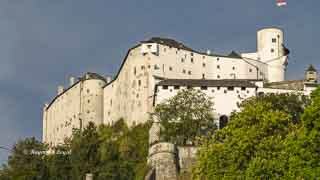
(58, 163)
(84, 152)
(253, 143)
(185, 117)
(27, 161)
(108, 152)
(302, 148)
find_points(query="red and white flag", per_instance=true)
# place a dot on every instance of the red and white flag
(281, 3)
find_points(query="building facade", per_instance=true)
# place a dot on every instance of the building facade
(156, 69)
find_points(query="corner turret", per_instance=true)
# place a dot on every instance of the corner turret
(271, 50)
(311, 75)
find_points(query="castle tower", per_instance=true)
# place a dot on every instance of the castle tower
(271, 50)
(162, 158)
(311, 75)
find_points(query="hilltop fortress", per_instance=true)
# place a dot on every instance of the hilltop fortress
(155, 70)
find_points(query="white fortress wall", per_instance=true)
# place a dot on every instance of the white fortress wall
(225, 99)
(62, 115)
(92, 101)
(73, 108)
(127, 95)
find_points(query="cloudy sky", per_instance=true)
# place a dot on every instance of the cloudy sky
(43, 42)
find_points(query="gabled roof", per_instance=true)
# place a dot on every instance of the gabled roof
(168, 42)
(234, 54)
(311, 68)
(208, 83)
(86, 76)
(179, 45)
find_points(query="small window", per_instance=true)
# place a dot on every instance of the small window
(170, 68)
(203, 57)
(203, 64)
(183, 71)
(189, 72)
(182, 60)
(274, 40)
(88, 91)
(176, 87)
(142, 67)
(204, 87)
(191, 60)
(243, 88)
(250, 70)
(165, 87)
(191, 54)
(156, 67)
(149, 66)
(233, 68)
(272, 50)
(135, 71)
(212, 90)
(225, 91)
(218, 59)
(88, 101)
(223, 121)
(164, 49)
(218, 88)
(149, 46)
(203, 76)
(230, 88)
(189, 87)
(218, 66)
(139, 82)
(218, 76)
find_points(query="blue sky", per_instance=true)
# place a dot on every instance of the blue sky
(43, 42)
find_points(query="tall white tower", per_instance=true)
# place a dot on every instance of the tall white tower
(271, 51)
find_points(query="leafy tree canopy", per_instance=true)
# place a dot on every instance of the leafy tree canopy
(255, 142)
(185, 117)
(108, 152)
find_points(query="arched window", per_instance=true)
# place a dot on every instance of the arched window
(223, 121)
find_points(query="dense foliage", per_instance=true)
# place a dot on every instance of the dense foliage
(185, 117)
(273, 137)
(108, 152)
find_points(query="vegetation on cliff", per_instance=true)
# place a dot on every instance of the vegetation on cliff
(273, 137)
(108, 152)
(186, 117)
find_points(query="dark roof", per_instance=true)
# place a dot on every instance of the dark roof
(173, 43)
(86, 76)
(311, 68)
(168, 42)
(234, 54)
(209, 83)
(91, 75)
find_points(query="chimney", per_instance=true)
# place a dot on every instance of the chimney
(72, 80)
(108, 79)
(60, 89)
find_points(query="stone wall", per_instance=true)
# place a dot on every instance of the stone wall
(168, 161)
